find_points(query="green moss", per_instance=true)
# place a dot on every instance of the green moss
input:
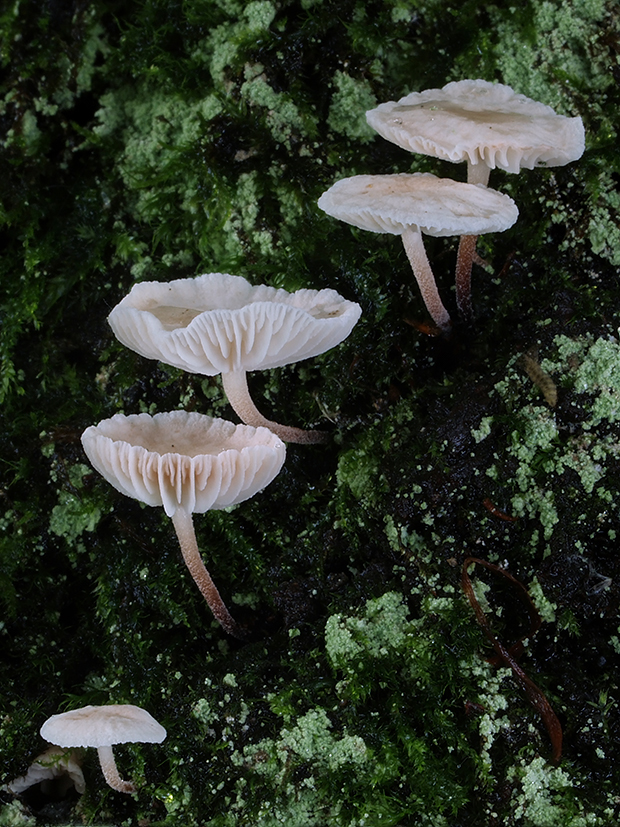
(75, 514)
(282, 116)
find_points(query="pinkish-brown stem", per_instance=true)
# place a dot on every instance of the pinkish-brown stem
(236, 389)
(476, 174)
(184, 527)
(464, 263)
(414, 247)
(110, 771)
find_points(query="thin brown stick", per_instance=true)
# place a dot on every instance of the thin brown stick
(508, 654)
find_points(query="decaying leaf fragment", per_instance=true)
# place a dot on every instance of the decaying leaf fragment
(540, 378)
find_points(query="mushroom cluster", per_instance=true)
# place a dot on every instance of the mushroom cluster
(189, 462)
(217, 323)
(487, 125)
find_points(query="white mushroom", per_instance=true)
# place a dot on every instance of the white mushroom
(56, 766)
(411, 204)
(102, 727)
(487, 125)
(218, 323)
(187, 463)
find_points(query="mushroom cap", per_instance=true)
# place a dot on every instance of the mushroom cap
(216, 323)
(56, 763)
(183, 459)
(436, 206)
(480, 122)
(101, 726)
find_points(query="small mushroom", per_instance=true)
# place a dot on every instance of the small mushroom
(218, 323)
(187, 463)
(56, 770)
(411, 204)
(486, 124)
(102, 727)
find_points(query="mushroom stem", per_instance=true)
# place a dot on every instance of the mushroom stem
(110, 771)
(414, 247)
(236, 389)
(476, 174)
(184, 527)
(464, 262)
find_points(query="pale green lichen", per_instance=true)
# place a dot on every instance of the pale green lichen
(347, 112)
(243, 217)
(492, 698)
(590, 368)
(483, 430)
(74, 515)
(603, 224)
(282, 115)
(220, 49)
(546, 609)
(598, 372)
(204, 712)
(16, 814)
(154, 127)
(357, 469)
(383, 629)
(310, 741)
(561, 44)
(259, 14)
(540, 802)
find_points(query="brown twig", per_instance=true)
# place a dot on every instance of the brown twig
(508, 655)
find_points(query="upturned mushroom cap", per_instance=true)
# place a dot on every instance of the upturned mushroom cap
(436, 206)
(183, 460)
(100, 726)
(480, 122)
(218, 323)
(59, 766)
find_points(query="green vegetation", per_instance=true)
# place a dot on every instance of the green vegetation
(163, 139)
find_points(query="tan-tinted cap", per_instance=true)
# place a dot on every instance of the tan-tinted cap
(436, 206)
(482, 123)
(183, 459)
(98, 726)
(218, 323)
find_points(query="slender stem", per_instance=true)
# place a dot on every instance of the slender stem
(414, 247)
(476, 174)
(236, 389)
(184, 527)
(464, 263)
(110, 771)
